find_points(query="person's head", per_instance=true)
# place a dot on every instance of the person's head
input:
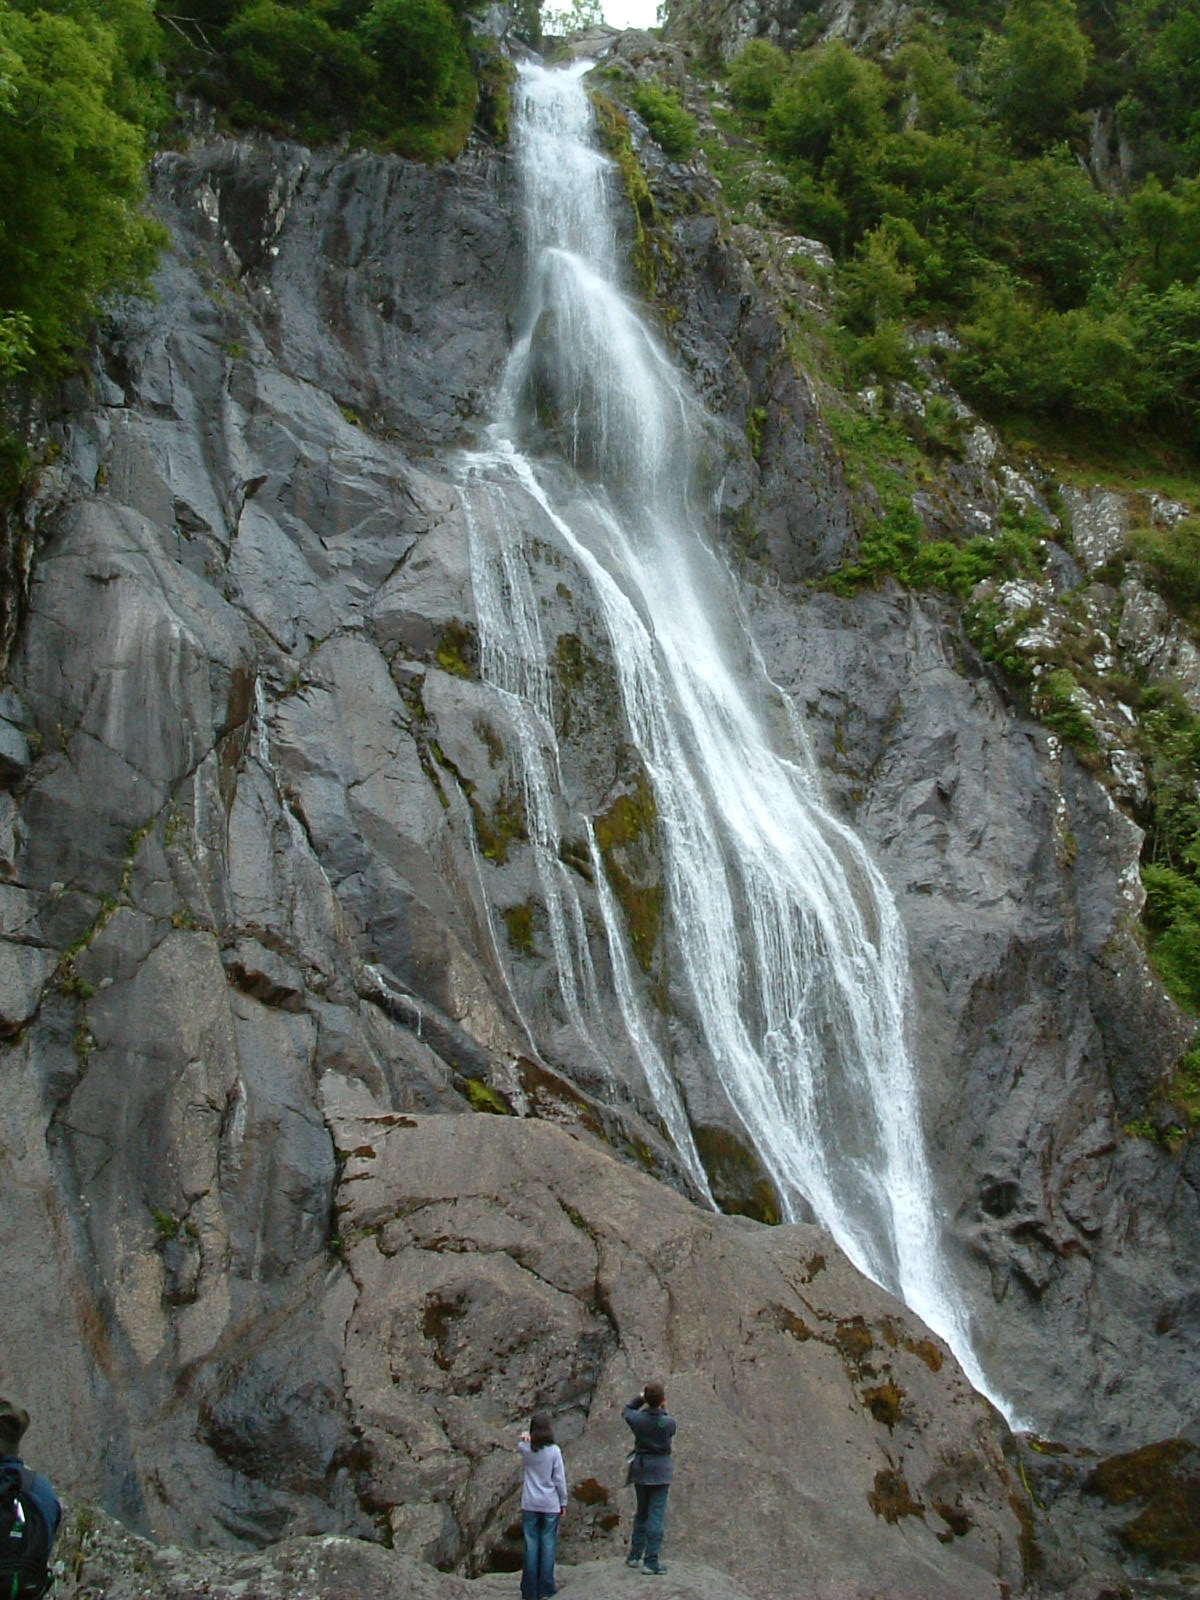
(14, 1419)
(654, 1395)
(541, 1431)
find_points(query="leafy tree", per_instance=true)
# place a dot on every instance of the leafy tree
(418, 47)
(280, 56)
(576, 18)
(930, 79)
(1162, 106)
(755, 75)
(1053, 226)
(831, 101)
(877, 286)
(72, 177)
(1165, 231)
(1167, 331)
(1035, 71)
(16, 343)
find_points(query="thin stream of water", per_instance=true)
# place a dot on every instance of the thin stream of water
(788, 939)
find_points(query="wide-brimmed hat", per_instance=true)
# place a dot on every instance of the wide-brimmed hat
(14, 1419)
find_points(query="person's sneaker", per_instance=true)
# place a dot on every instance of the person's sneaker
(633, 1561)
(653, 1566)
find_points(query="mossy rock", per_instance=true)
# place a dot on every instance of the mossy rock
(653, 252)
(885, 1402)
(630, 818)
(736, 1177)
(458, 650)
(486, 1099)
(627, 837)
(1162, 1479)
(519, 922)
(503, 826)
(891, 1498)
(496, 75)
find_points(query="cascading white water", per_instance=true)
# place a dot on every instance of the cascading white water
(788, 938)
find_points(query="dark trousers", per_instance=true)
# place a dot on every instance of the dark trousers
(541, 1547)
(649, 1520)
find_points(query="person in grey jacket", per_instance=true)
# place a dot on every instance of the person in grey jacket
(543, 1501)
(650, 1472)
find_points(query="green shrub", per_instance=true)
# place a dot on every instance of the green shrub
(755, 75)
(418, 47)
(671, 126)
(1171, 732)
(1056, 700)
(831, 100)
(1173, 556)
(877, 285)
(896, 546)
(1173, 921)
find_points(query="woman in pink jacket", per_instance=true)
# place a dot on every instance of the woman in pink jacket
(543, 1501)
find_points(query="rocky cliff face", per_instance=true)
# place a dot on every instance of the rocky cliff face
(273, 950)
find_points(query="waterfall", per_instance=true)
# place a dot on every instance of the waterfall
(783, 930)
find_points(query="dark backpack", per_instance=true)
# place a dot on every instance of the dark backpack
(24, 1539)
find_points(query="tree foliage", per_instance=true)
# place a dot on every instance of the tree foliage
(399, 73)
(671, 125)
(952, 189)
(418, 48)
(1035, 69)
(76, 92)
(755, 76)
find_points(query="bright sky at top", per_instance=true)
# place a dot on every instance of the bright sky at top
(631, 13)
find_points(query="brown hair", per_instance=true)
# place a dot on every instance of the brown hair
(541, 1433)
(654, 1394)
(14, 1419)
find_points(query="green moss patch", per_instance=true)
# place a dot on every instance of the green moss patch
(1163, 1480)
(736, 1176)
(458, 650)
(885, 1403)
(653, 254)
(626, 835)
(486, 1099)
(503, 826)
(855, 1342)
(519, 922)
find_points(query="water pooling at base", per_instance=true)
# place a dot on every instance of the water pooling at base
(786, 935)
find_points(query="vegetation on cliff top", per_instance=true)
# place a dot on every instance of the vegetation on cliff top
(949, 182)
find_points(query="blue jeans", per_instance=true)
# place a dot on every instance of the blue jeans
(649, 1520)
(541, 1547)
